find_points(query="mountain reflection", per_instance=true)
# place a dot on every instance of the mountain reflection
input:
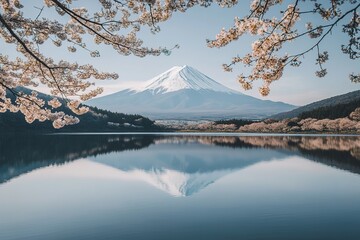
(178, 164)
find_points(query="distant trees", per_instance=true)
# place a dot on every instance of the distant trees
(237, 122)
(344, 124)
(355, 115)
(116, 23)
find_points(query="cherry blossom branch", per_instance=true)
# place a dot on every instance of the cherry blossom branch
(77, 18)
(331, 26)
(17, 94)
(2, 20)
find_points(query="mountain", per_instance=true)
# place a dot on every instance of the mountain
(95, 120)
(186, 93)
(334, 107)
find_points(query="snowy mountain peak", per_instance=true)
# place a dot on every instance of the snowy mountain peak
(184, 93)
(185, 77)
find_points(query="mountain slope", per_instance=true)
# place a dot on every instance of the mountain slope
(186, 93)
(95, 120)
(352, 98)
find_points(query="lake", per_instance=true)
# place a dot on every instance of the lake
(179, 186)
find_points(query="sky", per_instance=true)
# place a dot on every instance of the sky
(190, 30)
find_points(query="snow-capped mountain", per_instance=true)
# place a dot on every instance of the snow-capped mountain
(179, 78)
(185, 93)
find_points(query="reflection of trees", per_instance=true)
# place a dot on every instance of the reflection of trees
(229, 141)
(336, 143)
(349, 144)
(342, 152)
(23, 153)
(340, 143)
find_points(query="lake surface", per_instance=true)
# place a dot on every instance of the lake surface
(179, 187)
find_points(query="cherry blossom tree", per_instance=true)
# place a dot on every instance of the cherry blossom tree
(271, 51)
(112, 22)
(355, 115)
(116, 23)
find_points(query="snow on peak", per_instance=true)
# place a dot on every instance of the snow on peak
(185, 77)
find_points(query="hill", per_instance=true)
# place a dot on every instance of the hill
(334, 107)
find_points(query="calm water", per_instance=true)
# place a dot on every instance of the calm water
(179, 187)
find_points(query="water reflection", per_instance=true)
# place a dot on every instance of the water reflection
(90, 187)
(179, 165)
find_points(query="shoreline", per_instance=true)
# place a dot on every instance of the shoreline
(210, 133)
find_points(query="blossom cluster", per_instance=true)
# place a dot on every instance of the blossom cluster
(272, 34)
(267, 57)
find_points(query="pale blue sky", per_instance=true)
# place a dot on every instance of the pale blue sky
(190, 30)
